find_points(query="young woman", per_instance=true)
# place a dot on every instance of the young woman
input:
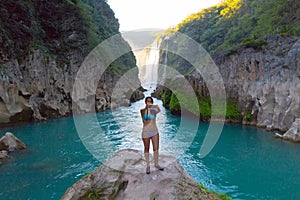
(150, 132)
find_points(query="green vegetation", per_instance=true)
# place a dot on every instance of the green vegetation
(205, 108)
(174, 104)
(224, 29)
(248, 116)
(232, 111)
(175, 101)
(222, 196)
(58, 28)
(166, 98)
(93, 195)
(49, 25)
(234, 23)
(88, 173)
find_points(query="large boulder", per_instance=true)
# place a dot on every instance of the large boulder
(9, 142)
(293, 133)
(123, 177)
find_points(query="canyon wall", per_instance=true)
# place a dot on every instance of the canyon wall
(264, 84)
(37, 89)
(42, 47)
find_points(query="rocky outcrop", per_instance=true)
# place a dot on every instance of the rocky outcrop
(293, 134)
(123, 177)
(36, 88)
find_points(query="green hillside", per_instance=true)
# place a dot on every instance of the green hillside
(57, 27)
(225, 29)
(234, 23)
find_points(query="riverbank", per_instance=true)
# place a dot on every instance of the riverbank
(56, 157)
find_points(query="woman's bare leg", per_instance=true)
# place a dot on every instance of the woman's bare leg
(146, 141)
(155, 144)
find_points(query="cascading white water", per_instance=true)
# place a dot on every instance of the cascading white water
(150, 69)
(151, 73)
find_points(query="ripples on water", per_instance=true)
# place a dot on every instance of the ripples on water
(246, 163)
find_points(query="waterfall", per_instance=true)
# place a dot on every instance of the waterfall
(149, 71)
(152, 73)
(146, 49)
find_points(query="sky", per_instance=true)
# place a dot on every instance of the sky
(150, 14)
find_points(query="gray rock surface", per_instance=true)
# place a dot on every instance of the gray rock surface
(293, 134)
(265, 82)
(123, 177)
(10, 143)
(36, 88)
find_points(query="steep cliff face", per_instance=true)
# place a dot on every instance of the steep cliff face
(37, 89)
(41, 53)
(266, 83)
(263, 84)
(255, 44)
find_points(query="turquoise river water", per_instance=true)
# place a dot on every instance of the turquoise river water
(246, 162)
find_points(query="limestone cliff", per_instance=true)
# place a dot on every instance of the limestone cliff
(266, 83)
(263, 84)
(43, 45)
(255, 44)
(37, 89)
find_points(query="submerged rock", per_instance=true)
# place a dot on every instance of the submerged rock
(9, 142)
(3, 154)
(124, 177)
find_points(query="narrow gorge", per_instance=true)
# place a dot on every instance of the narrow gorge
(72, 86)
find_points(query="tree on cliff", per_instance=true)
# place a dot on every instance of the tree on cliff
(56, 27)
(231, 27)
(233, 23)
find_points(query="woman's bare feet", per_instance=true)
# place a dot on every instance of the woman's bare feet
(159, 167)
(148, 170)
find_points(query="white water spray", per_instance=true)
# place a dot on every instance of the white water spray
(150, 68)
